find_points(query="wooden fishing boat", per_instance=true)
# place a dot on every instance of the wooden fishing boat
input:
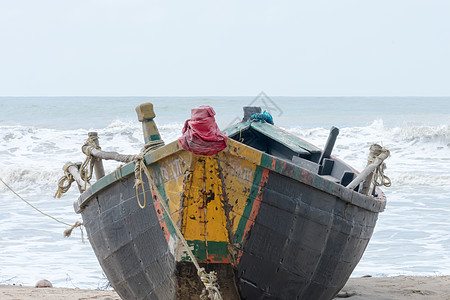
(272, 215)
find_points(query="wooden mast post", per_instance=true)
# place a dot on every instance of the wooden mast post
(145, 116)
(99, 170)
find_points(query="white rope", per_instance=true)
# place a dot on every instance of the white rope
(379, 178)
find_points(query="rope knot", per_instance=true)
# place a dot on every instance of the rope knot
(211, 290)
(66, 180)
(68, 232)
(92, 141)
(379, 178)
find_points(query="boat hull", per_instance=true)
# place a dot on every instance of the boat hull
(290, 234)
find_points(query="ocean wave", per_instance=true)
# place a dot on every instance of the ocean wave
(425, 134)
(169, 131)
(420, 179)
(29, 179)
(49, 149)
(171, 126)
(377, 131)
(119, 124)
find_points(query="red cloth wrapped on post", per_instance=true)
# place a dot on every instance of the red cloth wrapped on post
(201, 135)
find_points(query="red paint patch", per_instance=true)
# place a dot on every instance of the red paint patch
(306, 177)
(213, 258)
(273, 164)
(255, 209)
(162, 220)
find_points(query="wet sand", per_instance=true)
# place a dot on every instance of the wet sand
(368, 288)
(14, 292)
(399, 287)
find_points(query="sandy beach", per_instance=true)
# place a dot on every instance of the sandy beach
(367, 288)
(399, 287)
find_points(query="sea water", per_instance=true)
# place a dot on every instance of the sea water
(39, 135)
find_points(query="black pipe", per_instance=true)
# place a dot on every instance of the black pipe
(330, 144)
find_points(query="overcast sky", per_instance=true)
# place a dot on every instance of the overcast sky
(224, 48)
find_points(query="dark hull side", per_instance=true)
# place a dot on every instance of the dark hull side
(129, 243)
(304, 244)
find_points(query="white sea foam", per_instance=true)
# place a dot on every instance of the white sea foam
(421, 179)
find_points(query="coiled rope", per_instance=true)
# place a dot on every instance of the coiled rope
(209, 280)
(379, 178)
(85, 172)
(85, 169)
(65, 181)
(139, 166)
(67, 232)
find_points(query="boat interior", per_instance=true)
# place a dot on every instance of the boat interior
(283, 145)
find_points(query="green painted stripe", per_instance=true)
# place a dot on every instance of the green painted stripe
(218, 250)
(239, 234)
(266, 161)
(153, 137)
(162, 191)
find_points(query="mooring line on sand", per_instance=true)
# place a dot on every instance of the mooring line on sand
(67, 232)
